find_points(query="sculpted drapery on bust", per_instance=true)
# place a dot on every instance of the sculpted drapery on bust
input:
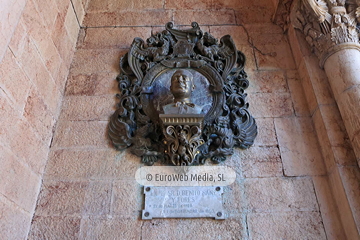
(182, 86)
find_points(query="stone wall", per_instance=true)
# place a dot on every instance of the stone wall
(282, 189)
(37, 43)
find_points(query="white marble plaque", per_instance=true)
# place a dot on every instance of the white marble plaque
(183, 202)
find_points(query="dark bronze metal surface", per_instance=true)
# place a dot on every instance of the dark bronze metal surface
(224, 125)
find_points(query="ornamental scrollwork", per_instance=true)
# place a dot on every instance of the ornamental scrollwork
(327, 24)
(221, 121)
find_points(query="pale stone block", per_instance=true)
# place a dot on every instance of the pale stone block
(72, 164)
(38, 115)
(93, 84)
(261, 162)
(121, 165)
(14, 81)
(3, 44)
(97, 198)
(36, 71)
(189, 4)
(318, 80)
(323, 139)
(234, 4)
(245, 14)
(336, 132)
(62, 6)
(95, 19)
(50, 55)
(205, 17)
(292, 74)
(256, 162)
(299, 147)
(272, 50)
(234, 200)
(104, 5)
(351, 180)
(300, 48)
(143, 18)
(102, 61)
(280, 194)
(20, 39)
(79, 10)
(290, 225)
(34, 23)
(294, 45)
(17, 135)
(349, 106)
(18, 183)
(62, 40)
(297, 94)
(270, 105)
(8, 117)
(110, 228)
(277, 56)
(344, 155)
(267, 82)
(127, 198)
(343, 68)
(15, 222)
(71, 24)
(108, 5)
(266, 132)
(356, 143)
(10, 13)
(28, 146)
(128, 18)
(88, 134)
(54, 227)
(148, 4)
(259, 36)
(342, 202)
(194, 229)
(238, 34)
(61, 78)
(48, 11)
(89, 108)
(307, 87)
(261, 29)
(97, 38)
(250, 63)
(329, 212)
(61, 198)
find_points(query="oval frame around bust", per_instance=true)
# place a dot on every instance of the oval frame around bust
(136, 122)
(210, 73)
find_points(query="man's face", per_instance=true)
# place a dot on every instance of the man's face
(181, 85)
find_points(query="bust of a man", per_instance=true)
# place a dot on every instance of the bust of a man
(181, 88)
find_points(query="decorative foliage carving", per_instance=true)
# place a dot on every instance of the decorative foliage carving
(328, 23)
(227, 123)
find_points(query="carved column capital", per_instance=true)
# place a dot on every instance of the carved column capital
(329, 26)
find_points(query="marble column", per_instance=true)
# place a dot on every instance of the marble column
(332, 30)
(342, 68)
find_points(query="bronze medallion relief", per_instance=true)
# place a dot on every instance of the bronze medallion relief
(182, 99)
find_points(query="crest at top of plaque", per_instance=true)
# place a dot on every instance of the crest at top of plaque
(182, 98)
